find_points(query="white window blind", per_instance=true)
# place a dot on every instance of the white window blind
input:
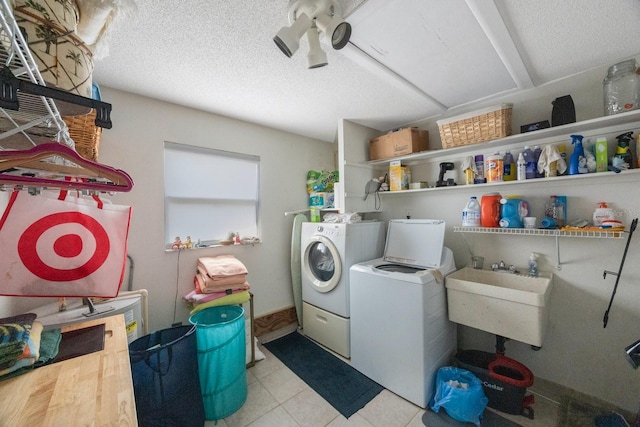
(210, 193)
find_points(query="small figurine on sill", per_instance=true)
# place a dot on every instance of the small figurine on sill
(188, 244)
(177, 243)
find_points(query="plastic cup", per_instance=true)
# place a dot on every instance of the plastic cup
(477, 262)
(530, 222)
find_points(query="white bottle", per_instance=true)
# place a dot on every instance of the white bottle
(471, 213)
(521, 172)
(533, 265)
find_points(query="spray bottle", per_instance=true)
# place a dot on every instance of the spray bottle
(577, 156)
(533, 264)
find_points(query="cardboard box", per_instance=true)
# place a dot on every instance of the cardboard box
(398, 143)
(399, 176)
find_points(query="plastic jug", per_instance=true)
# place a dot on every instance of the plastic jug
(490, 210)
(508, 167)
(513, 211)
(471, 213)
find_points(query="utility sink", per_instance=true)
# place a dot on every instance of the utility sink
(510, 305)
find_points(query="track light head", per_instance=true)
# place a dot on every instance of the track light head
(288, 38)
(316, 57)
(337, 30)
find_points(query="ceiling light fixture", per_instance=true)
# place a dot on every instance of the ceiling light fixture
(316, 57)
(313, 17)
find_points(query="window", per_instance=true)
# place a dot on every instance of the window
(209, 193)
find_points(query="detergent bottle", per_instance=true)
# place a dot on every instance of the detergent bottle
(577, 156)
(490, 210)
(508, 167)
(537, 151)
(602, 213)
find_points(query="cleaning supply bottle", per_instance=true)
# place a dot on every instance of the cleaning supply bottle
(577, 156)
(602, 213)
(563, 153)
(493, 168)
(508, 167)
(533, 264)
(623, 150)
(480, 178)
(471, 213)
(521, 170)
(536, 156)
(531, 165)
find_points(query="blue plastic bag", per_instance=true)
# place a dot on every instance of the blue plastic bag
(460, 393)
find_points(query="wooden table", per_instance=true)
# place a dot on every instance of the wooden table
(91, 390)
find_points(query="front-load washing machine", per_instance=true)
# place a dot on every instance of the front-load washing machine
(400, 332)
(328, 250)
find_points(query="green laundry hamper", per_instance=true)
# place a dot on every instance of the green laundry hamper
(221, 359)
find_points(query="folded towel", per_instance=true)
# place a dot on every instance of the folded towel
(28, 357)
(233, 299)
(14, 336)
(49, 346)
(222, 265)
(205, 281)
(199, 298)
(210, 288)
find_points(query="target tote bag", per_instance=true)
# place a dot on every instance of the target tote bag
(62, 246)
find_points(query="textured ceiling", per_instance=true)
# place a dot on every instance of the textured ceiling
(407, 60)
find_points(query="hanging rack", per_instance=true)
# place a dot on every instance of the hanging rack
(53, 164)
(10, 85)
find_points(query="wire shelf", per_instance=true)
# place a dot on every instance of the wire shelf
(594, 234)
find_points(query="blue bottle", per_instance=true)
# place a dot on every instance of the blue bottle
(536, 155)
(577, 156)
(531, 164)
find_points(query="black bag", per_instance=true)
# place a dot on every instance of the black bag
(166, 382)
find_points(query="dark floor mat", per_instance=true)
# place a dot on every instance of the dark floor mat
(337, 382)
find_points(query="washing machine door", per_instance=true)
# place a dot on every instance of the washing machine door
(321, 264)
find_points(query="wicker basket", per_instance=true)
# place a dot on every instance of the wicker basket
(478, 126)
(85, 134)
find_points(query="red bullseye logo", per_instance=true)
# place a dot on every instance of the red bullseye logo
(69, 246)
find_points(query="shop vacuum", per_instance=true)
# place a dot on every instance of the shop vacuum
(504, 380)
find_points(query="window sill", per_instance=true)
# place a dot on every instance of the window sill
(251, 242)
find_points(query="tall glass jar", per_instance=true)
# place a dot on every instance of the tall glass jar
(621, 88)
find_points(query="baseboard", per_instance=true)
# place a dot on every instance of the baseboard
(274, 321)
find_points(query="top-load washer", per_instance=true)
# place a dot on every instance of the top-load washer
(400, 332)
(328, 250)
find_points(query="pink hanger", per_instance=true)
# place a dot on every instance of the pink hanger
(93, 176)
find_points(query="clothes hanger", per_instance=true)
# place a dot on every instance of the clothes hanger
(94, 176)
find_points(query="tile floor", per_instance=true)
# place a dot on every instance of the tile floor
(279, 398)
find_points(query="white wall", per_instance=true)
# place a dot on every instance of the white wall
(135, 144)
(577, 351)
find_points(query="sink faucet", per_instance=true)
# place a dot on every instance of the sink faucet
(503, 268)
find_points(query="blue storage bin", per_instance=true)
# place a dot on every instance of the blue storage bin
(166, 385)
(221, 359)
